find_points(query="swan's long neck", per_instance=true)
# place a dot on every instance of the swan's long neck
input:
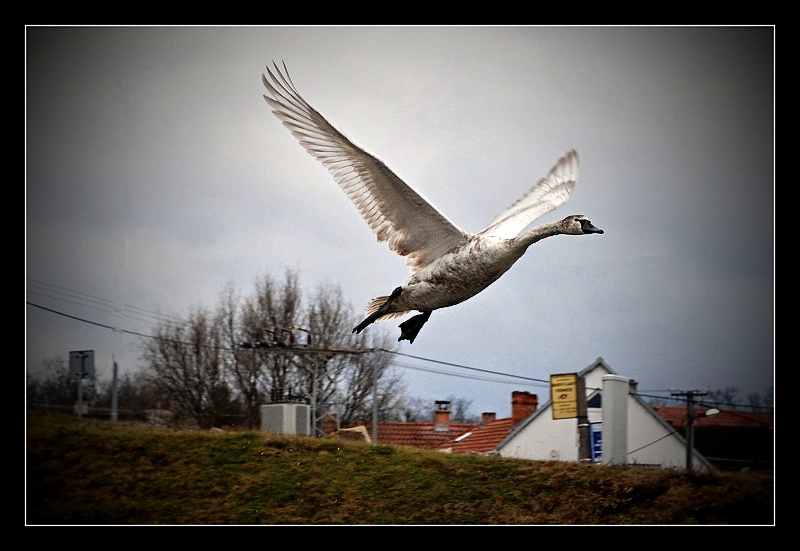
(538, 233)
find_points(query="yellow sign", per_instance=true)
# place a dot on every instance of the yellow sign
(564, 395)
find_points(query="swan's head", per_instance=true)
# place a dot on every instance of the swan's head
(578, 224)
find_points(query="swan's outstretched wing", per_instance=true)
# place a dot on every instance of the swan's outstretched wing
(549, 193)
(397, 213)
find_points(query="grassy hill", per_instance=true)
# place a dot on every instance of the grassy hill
(83, 471)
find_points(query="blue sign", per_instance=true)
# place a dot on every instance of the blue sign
(596, 439)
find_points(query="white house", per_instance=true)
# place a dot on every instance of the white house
(651, 441)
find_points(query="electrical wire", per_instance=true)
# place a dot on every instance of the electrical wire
(57, 292)
(404, 365)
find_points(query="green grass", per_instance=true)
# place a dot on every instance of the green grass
(83, 471)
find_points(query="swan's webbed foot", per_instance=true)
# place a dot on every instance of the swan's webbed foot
(409, 329)
(383, 310)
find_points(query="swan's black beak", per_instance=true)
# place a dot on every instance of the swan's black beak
(588, 227)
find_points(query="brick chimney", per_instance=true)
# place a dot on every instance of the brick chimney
(487, 417)
(441, 416)
(522, 405)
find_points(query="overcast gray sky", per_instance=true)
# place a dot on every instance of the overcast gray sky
(156, 175)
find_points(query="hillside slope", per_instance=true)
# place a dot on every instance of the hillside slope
(82, 471)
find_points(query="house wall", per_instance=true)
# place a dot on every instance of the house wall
(547, 439)
(657, 448)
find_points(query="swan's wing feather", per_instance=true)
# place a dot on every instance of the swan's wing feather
(548, 194)
(396, 213)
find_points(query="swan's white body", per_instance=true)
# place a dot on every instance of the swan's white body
(448, 265)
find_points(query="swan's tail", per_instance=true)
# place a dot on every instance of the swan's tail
(375, 305)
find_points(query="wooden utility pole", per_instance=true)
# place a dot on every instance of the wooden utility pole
(325, 353)
(690, 417)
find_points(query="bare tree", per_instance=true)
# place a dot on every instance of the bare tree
(244, 366)
(267, 330)
(758, 402)
(460, 410)
(186, 358)
(722, 397)
(271, 346)
(415, 410)
(135, 394)
(357, 380)
(347, 376)
(55, 387)
(310, 353)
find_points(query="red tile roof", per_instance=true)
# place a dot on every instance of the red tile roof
(420, 435)
(732, 440)
(676, 416)
(481, 439)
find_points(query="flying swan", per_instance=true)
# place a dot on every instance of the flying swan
(448, 265)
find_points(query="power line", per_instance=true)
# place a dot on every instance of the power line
(683, 400)
(653, 442)
(94, 302)
(464, 366)
(461, 376)
(70, 292)
(315, 350)
(84, 320)
(407, 366)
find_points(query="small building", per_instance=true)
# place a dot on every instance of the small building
(651, 441)
(654, 435)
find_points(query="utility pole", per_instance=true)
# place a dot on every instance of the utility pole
(114, 411)
(315, 398)
(690, 417)
(325, 353)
